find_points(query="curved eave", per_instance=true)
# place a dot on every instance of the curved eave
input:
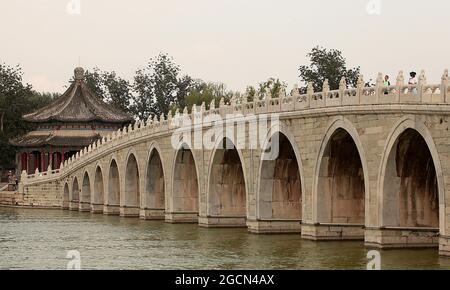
(51, 140)
(62, 120)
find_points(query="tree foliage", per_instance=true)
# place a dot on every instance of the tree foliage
(158, 87)
(154, 90)
(273, 85)
(16, 99)
(207, 92)
(111, 88)
(327, 64)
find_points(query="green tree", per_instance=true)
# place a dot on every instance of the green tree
(94, 80)
(16, 99)
(327, 64)
(111, 88)
(185, 85)
(272, 84)
(251, 93)
(207, 92)
(158, 87)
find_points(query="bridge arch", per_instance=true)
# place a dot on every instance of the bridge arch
(154, 195)
(227, 186)
(185, 185)
(280, 183)
(66, 196)
(85, 199)
(402, 202)
(112, 198)
(75, 192)
(131, 198)
(98, 193)
(341, 181)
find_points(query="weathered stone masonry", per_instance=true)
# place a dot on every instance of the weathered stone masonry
(364, 163)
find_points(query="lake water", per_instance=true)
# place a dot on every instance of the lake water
(40, 239)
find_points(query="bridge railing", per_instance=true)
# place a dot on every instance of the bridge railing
(400, 93)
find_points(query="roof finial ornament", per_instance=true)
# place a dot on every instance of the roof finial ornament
(79, 74)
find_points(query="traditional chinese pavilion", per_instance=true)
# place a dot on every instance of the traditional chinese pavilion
(72, 122)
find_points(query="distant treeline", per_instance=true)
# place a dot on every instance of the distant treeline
(155, 89)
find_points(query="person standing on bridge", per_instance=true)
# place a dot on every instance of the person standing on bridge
(413, 81)
(387, 83)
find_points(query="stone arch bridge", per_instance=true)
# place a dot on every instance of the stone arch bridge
(369, 163)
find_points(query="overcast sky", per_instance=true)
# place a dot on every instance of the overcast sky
(238, 42)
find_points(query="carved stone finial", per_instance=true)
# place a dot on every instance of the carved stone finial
(79, 74)
(310, 89)
(222, 102)
(268, 94)
(185, 110)
(445, 78)
(36, 171)
(234, 99)
(282, 92)
(360, 83)
(380, 80)
(422, 78)
(343, 84)
(245, 97)
(400, 79)
(295, 91)
(326, 86)
(212, 105)
(162, 118)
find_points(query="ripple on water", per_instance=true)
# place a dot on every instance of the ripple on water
(40, 239)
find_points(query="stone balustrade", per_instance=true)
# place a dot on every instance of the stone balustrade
(401, 93)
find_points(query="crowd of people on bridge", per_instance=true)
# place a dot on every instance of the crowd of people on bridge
(411, 82)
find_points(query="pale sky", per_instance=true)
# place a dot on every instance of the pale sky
(238, 42)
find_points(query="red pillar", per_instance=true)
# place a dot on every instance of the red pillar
(42, 161)
(27, 158)
(57, 160)
(50, 158)
(36, 161)
(24, 161)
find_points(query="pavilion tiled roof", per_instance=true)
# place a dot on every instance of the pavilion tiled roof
(57, 138)
(78, 104)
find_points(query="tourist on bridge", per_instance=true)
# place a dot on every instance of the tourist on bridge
(387, 83)
(413, 81)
